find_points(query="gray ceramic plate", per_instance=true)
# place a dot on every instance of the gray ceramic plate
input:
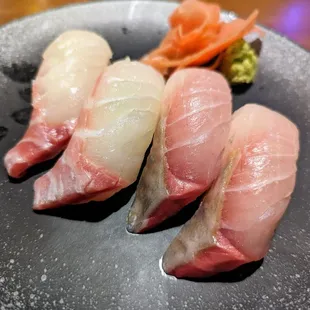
(82, 257)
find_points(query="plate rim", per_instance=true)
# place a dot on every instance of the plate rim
(65, 7)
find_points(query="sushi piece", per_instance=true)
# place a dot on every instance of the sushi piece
(186, 154)
(114, 130)
(70, 67)
(237, 218)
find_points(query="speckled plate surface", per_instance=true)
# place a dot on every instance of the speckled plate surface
(81, 257)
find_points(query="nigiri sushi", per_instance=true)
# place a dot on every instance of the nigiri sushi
(107, 148)
(237, 218)
(186, 154)
(70, 67)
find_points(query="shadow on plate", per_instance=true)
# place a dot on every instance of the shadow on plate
(22, 116)
(3, 132)
(240, 88)
(93, 211)
(23, 72)
(237, 275)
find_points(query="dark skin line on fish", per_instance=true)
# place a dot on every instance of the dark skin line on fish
(205, 224)
(178, 219)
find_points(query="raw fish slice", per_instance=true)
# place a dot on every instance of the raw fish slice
(114, 130)
(71, 65)
(237, 218)
(186, 152)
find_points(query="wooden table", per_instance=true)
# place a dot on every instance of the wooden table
(289, 17)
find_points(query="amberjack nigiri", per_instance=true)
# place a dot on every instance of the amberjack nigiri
(237, 218)
(187, 149)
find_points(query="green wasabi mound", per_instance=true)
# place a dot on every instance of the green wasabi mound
(240, 62)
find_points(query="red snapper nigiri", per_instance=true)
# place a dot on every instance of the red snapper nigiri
(107, 148)
(70, 67)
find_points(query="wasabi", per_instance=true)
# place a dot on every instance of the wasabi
(239, 64)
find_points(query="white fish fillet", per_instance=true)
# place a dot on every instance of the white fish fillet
(71, 65)
(113, 132)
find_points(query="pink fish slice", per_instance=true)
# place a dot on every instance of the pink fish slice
(186, 154)
(237, 218)
(71, 65)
